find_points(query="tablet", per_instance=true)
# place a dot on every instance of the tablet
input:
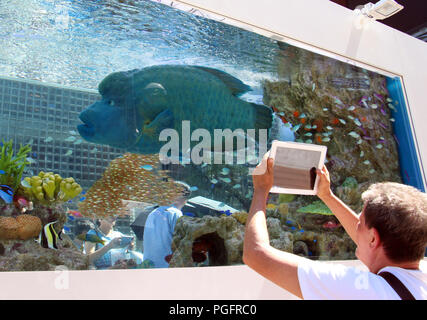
(294, 168)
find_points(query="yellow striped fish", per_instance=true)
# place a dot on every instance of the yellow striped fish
(48, 237)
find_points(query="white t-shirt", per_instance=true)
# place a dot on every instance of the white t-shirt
(158, 233)
(320, 281)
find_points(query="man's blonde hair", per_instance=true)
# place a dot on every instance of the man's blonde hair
(399, 213)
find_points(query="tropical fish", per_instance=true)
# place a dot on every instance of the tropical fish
(72, 132)
(354, 135)
(366, 162)
(93, 150)
(295, 129)
(379, 146)
(331, 225)
(74, 213)
(351, 108)
(194, 188)
(22, 203)
(2, 172)
(147, 167)
(48, 237)
(326, 139)
(78, 141)
(70, 139)
(214, 180)
(90, 237)
(342, 121)
(31, 160)
(137, 105)
(357, 122)
(271, 206)
(225, 171)
(236, 186)
(329, 128)
(6, 193)
(226, 180)
(48, 139)
(69, 152)
(190, 214)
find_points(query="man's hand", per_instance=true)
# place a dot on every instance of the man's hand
(324, 186)
(262, 176)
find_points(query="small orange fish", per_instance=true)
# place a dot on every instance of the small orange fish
(319, 139)
(302, 120)
(336, 121)
(296, 114)
(363, 119)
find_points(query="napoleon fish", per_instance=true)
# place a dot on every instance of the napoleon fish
(137, 105)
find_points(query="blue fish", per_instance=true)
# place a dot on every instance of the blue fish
(70, 217)
(190, 214)
(2, 172)
(227, 212)
(137, 105)
(66, 229)
(194, 188)
(6, 193)
(83, 199)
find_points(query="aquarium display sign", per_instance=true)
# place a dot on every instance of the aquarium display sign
(130, 131)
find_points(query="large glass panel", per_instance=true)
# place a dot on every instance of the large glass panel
(108, 110)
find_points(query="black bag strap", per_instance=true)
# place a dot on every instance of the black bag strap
(397, 285)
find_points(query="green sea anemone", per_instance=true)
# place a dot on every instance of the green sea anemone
(317, 207)
(12, 166)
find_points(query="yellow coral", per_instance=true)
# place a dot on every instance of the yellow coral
(240, 216)
(48, 187)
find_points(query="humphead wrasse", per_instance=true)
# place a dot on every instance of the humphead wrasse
(137, 105)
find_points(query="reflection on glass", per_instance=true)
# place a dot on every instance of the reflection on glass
(87, 88)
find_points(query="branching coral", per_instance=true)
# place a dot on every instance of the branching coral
(48, 188)
(12, 166)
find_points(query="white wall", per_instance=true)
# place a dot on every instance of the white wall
(318, 23)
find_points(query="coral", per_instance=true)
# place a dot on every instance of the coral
(240, 216)
(132, 177)
(225, 231)
(30, 256)
(224, 236)
(8, 228)
(324, 246)
(22, 227)
(13, 165)
(49, 188)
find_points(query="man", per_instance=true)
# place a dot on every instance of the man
(390, 233)
(158, 231)
(100, 254)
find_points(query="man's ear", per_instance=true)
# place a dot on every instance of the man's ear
(374, 238)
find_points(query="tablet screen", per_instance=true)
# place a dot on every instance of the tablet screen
(294, 169)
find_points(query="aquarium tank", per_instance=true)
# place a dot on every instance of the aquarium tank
(114, 111)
